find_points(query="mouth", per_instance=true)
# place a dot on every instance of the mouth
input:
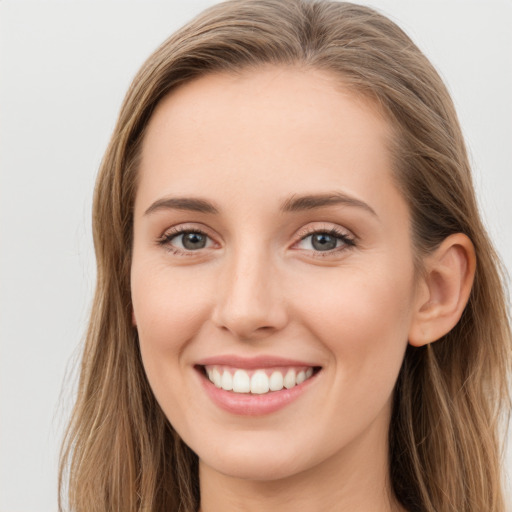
(255, 386)
(257, 381)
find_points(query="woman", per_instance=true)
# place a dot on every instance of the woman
(297, 305)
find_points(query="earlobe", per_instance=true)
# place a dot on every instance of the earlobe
(444, 289)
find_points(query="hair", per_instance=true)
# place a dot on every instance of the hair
(445, 452)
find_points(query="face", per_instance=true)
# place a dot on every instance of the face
(273, 283)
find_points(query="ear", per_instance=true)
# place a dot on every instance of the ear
(443, 290)
(134, 321)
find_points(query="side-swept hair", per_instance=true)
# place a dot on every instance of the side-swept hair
(120, 452)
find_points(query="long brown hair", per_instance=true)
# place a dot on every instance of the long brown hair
(120, 452)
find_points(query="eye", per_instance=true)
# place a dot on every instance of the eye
(324, 241)
(186, 240)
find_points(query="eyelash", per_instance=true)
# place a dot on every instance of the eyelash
(168, 236)
(347, 241)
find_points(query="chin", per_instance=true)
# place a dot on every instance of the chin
(256, 468)
(259, 457)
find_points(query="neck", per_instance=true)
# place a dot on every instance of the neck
(356, 480)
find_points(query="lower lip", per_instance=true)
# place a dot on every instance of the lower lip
(247, 404)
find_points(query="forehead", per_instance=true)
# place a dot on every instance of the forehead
(262, 94)
(267, 130)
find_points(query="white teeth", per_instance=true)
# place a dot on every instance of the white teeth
(256, 381)
(227, 381)
(216, 378)
(259, 383)
(301, 377)
(289, 379)
(241, 382)
(276, 381)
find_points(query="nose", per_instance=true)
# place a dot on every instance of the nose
(250, 303)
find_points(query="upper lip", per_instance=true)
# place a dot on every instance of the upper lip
(250, 363)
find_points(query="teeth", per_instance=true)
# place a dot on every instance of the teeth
(241, 382)
(227, 381)
(276, 381)
(216, 377)
(289, 379)
(257, 381)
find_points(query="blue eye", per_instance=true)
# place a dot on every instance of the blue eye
(323, 241)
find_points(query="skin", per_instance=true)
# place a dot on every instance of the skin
(247, 144)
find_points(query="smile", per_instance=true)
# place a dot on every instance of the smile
(258, 385)
(257, 381)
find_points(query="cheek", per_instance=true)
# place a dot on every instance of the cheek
(169, 310)
(364, 328)
(362, 316)
(355, 301)
(168, 307)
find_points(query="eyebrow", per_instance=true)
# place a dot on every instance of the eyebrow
(311, 202)
(182, 203)
(295, 203)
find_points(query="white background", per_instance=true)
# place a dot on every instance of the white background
(64, 68)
